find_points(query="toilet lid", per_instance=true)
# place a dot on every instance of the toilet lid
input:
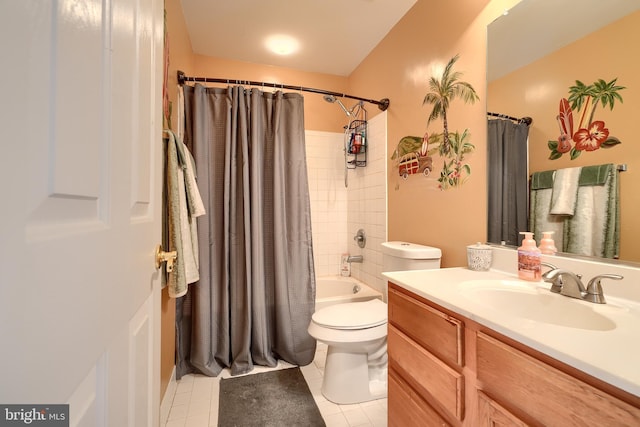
(352, 315)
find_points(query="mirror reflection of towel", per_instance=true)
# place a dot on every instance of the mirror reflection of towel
(565, 191)
(539, 218)
(594, 228)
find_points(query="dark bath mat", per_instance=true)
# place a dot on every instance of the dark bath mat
(271, 399)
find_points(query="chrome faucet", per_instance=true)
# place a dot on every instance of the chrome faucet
(354, 258)
(556, 283)
(566, 283)
(594, 288)
(570, 284)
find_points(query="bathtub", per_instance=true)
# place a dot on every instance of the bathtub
(337, 290)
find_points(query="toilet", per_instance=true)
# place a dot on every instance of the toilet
(402, 256)
(356, 333)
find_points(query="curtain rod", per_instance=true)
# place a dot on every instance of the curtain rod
(526, 120)
(383, 104)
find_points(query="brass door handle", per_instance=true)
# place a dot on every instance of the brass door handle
(168, 257)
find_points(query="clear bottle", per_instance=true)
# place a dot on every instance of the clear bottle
(547, 246)
(529, 259)
(345, 267)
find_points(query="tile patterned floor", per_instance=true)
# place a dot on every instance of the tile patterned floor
(195, 403)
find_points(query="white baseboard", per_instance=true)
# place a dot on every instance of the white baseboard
(167, 399)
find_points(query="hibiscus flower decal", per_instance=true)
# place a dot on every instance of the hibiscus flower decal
(594, 134)
(591, 139)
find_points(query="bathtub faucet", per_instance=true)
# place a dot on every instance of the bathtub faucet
(354, 258)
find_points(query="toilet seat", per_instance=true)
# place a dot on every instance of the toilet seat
(356, 337)
(352, 315)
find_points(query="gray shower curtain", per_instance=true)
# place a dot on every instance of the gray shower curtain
(256, 293)
(508, 182)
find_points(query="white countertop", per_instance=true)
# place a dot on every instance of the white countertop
(612, 356)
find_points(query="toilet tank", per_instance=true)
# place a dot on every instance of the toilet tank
(399, 256)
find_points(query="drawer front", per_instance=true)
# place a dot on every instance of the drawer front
(548, 395)
(436, 331)
(491, 414)
(432, 378)
(407, 409)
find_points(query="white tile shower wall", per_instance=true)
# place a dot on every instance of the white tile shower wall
(338, 212)
(367, 206)
(328, 199)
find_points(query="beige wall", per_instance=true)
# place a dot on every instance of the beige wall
(180, 57)
(318, 114)
(430, 34)
(398, 69)
(535, 90)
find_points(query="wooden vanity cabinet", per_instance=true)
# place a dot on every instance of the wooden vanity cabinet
(445, 369)
(408, 407)
(426, 358)
(492, 414)
(552, 397)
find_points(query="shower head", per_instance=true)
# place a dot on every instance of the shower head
(331, 99)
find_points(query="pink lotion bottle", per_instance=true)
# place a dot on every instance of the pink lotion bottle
(529, 259)
(547, 246)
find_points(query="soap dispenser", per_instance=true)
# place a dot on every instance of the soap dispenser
(547, 246)
(529, 259)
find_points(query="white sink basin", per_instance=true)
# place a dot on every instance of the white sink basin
(598, 339)
(529, 301)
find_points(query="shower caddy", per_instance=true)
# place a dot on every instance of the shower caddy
(356, 141)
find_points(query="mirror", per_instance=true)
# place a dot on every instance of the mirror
(538, 50)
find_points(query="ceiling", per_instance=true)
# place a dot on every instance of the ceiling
(333, 36)
(534, 28)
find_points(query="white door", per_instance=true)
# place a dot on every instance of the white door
(80, 169)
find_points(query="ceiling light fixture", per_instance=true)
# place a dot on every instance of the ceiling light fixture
(281, 44)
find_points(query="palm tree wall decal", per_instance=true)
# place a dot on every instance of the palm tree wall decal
(600, 92)
(442, 92)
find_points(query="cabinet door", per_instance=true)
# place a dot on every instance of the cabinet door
(491, 414)
(406, 409)
(547, 394)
